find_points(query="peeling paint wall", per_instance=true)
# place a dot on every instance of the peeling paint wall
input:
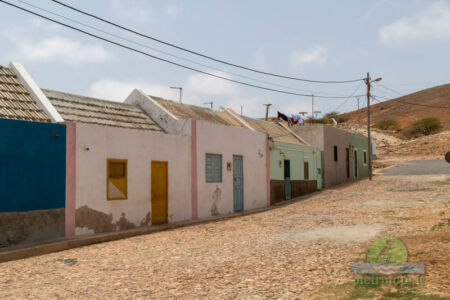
(217, 198)
(95, 144)
(32, 181)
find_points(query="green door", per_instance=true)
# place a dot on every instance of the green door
(238, 183)
(287, 179)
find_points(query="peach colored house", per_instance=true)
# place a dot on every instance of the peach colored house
(230, 164)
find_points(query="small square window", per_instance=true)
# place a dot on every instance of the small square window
(213, 167)
(117, 181)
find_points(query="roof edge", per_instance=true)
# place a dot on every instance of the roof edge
(239, 119)
(35, 92)
(293, 134)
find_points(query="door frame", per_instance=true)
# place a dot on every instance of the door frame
(242, 185)
(166, 163)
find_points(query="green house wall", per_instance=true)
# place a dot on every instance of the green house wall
(359, 143)
(297, 154)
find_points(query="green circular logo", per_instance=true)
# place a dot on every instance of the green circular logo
(388, 250)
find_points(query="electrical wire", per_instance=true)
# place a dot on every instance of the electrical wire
(351, 95)
(200, 54)
(164, 52)
(410, 103)
(162, 59)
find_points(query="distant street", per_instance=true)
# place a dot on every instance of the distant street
(419, 167)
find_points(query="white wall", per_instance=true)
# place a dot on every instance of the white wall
(140, 147)
(230, 141)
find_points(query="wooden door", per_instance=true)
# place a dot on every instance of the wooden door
(347, 161)
(160, 191)
(238, 183)
(287, 179)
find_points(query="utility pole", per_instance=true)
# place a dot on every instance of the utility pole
(210, 103)
(178, 88)
(369, 142)
(369, 146)
(241, 109)
(312, 109)
(267, 110)
(317, 112)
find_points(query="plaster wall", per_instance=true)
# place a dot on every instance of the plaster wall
(217, 198)
(313, 134)
(335, 172)
(32, 181)
(95, 144)
(297, 154)
(359, 143)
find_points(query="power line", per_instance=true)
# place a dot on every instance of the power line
(197, 53)
(161, 51)
(162, 59)
(391, 90)
(351, 95)
(410, 103)
(403, 101)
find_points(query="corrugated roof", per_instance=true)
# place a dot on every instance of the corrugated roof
(187, 111)
(15, 101)
(276, 131)
(89, 110)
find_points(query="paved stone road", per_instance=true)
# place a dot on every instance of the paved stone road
(301, 250)
(419, 167)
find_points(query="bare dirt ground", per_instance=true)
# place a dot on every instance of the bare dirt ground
(392, 150)
(303, 250)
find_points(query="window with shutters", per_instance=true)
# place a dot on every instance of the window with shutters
(116, 185)
(213, 167)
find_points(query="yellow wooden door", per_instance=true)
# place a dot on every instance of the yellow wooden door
(160, 184)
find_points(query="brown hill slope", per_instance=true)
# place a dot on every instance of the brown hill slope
(406, 110)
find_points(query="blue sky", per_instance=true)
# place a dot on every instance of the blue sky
(405, 42)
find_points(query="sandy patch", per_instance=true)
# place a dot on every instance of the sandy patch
(391, 203)
(340, 234)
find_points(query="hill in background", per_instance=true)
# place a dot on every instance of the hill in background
(408, 108)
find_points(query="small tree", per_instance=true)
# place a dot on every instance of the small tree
(425, 126)
(388, 125)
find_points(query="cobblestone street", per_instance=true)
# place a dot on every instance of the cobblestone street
(300, 250)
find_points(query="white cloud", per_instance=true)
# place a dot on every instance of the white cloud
(134, 10)
(117, 90)
(259, 59)
(173, 10)
(35, 41)
(431, 24)
(59, 49)
(315, 55)
(208, 86)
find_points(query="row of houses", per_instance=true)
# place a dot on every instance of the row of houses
(74, 165)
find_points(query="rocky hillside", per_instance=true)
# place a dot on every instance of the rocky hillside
(409, 108)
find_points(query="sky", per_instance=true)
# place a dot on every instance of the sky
(406, 42)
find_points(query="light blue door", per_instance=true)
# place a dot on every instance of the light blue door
(238, 183)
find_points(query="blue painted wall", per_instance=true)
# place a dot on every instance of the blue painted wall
(32, 165)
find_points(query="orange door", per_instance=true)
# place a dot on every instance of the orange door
(160, 192)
